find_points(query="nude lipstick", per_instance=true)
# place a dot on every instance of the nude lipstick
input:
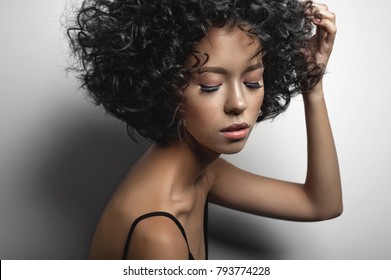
(236, 131)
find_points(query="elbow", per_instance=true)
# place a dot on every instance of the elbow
(336, 213)
(330, 213)
(335, 210)
(339, 209)
(329, 205)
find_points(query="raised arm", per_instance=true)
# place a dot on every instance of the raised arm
(323, 183)
(320, 196)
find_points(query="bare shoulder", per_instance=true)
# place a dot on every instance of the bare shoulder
(125, 205)
(110, 234)
(157, 237)
(138, 194)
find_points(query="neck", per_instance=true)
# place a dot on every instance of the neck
(186, 162)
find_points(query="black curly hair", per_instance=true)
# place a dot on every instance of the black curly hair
(131, 55)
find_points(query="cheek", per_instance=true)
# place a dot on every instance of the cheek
(197, 122)
(200, 108)
(201, 117)
(260, 100)
(197, 115)
(256, 103)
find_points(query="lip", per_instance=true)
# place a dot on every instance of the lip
(236, 131)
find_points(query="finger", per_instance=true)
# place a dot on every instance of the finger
(318, 10)
(323, 14)
(326, 30)
(326, 20)
(316, 7)
(320, 6)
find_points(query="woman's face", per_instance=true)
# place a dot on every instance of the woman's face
(224, 97)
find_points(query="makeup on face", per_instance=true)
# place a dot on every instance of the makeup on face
(211, 78)
(224, 96)
(236, 131)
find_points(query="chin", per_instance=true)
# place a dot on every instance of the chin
(219, 146)
(233, 147)
(231, 152)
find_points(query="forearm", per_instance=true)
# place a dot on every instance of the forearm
(323, 183)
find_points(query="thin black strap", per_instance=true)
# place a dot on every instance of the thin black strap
(206, 229)
(153, 214)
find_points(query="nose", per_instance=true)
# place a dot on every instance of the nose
(235, 101)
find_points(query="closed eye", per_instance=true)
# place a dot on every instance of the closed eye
(204, 88)
(253, 85)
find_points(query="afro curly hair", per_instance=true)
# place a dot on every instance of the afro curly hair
(131, 55)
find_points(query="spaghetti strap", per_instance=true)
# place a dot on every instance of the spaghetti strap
(206, 229)
(153, 214)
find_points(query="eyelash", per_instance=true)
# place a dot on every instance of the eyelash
(255, 85)
(209, 89)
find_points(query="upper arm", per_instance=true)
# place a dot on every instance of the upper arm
(244, 191)
(157, 238)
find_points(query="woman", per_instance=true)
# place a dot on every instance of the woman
(195, 76)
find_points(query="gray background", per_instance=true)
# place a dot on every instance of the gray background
(61, 157)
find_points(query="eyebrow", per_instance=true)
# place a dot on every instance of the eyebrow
(220, 70)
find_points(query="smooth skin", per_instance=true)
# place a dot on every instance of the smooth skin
(178, 178)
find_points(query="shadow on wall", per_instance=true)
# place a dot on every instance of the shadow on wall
(78, 176)
(89, 163)
(64, 177)
(235, 235)
(87, 169)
